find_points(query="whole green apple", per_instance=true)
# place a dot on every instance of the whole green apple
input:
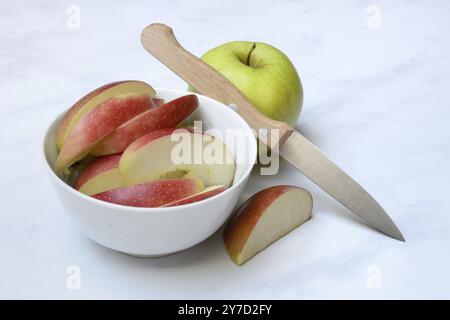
(264, 74)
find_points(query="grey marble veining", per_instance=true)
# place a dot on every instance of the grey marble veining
(376, 81)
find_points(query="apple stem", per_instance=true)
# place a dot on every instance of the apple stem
(250, 53)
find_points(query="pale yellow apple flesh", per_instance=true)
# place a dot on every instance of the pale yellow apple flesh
(100, 176)
(106, 181)
(264, 218)
(177, 153)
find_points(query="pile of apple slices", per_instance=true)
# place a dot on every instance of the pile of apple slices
(119, 142)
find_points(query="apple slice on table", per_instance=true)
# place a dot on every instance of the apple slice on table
(168, 115)
(100, 120)
(264, 218)
(202, 195)
(122, 89)
(99, 176)
(177, 153)
(152, 194)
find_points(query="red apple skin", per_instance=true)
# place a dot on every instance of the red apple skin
(99, 122)
(76, 107)
(97, 167)
(168, 115)
(247, 215)
(153, 194)
(157, 102)
(149, 137)
(196, 197)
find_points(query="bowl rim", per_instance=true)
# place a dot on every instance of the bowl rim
(95, 201)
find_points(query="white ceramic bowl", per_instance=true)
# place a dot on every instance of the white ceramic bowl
(158, 231)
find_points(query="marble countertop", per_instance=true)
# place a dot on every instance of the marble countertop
(376, 81)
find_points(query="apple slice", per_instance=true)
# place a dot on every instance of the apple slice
(99, 176)
(177, 153)
(152, 194)
(122, 89)
(98, 123)
(168, 115)
(264, 218)
(202, 195)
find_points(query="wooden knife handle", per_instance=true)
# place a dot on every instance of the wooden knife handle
(159, 40)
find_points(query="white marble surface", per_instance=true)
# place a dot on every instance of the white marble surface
(376, 100)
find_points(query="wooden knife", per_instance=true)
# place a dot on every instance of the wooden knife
(159, 40)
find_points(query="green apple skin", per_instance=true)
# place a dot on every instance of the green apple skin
(263, 73)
